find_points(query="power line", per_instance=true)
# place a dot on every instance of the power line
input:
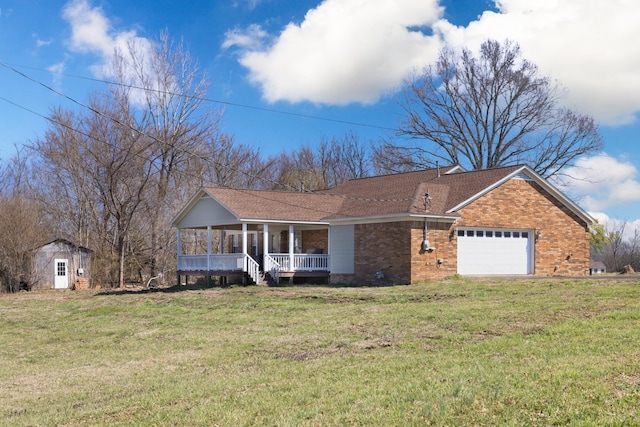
(212, 100)
(115, 120)
(141, 133)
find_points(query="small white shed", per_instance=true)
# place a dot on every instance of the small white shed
(61, 264)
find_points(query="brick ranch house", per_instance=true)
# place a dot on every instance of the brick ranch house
(393, 229)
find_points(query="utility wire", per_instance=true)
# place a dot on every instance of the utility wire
(196, 155)
(212, 100)
(115, 120)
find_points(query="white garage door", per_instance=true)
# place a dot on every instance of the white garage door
(494, 251)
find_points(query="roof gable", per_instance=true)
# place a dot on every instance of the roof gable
(479, 183)
(440, 192)
(62, 244)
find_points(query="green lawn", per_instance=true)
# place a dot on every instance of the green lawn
(456, 352)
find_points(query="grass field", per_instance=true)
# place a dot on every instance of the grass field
(456, 352)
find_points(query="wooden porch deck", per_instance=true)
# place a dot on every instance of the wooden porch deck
(276, 265)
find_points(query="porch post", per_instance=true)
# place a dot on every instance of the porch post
(329, 247)
(244, 253)
(265, 244)
(244, 239)
(179, 243)
(208, 248)
(221, 246)
(178, 253)
(292, 237)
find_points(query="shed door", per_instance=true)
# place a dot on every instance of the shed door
(61, 273)
(494, 251)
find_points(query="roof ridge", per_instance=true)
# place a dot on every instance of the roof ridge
(399, 173)
(464, 171)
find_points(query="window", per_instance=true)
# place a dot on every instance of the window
(489, 233)
(297, 241)
(61, 269)
(479, 233)
(235, 244)
(516, 234)
(460, 233)
(252, 243)
(498, 233)
(507, 234)
(469, 233)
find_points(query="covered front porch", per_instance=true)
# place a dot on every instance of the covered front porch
(258, 253)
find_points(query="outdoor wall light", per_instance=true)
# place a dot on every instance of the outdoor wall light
(538, 234)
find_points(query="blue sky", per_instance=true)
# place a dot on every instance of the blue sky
(341, 60)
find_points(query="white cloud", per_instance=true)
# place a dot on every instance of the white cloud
(89, 28)
(590, 46)
(249, 4)
(5, 13)
(57, 70)
(92, 32)
(602, 182)
(358, 50)
(251, 39)
(42, 43)
(627, 226)
(344, 51)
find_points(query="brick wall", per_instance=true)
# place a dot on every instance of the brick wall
(396, 247)
(315, 239)
(439, 262)
(563, 248)
(383, 247)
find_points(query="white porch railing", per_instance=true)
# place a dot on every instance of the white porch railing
(311, 262)
(302, 262)
(252, 268)
(221, 262)
(272, 266)
(274, 263)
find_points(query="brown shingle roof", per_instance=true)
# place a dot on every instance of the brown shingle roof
(385, 195)
(276, 205)
(404, 192)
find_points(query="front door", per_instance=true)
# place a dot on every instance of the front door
(61, 273)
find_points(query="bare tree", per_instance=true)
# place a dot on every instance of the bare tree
(174, 117)
(22, 230)
(22, 225)
(119, 167)
(229, 164)
(14, 174)
(328, 164)
(633, 249)
(95, 169)
(486, 111)
(615, 252)
(344, 159)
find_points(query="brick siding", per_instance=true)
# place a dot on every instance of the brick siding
(562, 250)
(315, 239)
(384, 247)
(395, 247)
(439, 262)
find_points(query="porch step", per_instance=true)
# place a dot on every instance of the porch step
(265, 279)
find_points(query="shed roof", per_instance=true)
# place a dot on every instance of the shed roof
(64, 242)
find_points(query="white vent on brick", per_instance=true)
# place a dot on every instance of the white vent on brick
(494, 251)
